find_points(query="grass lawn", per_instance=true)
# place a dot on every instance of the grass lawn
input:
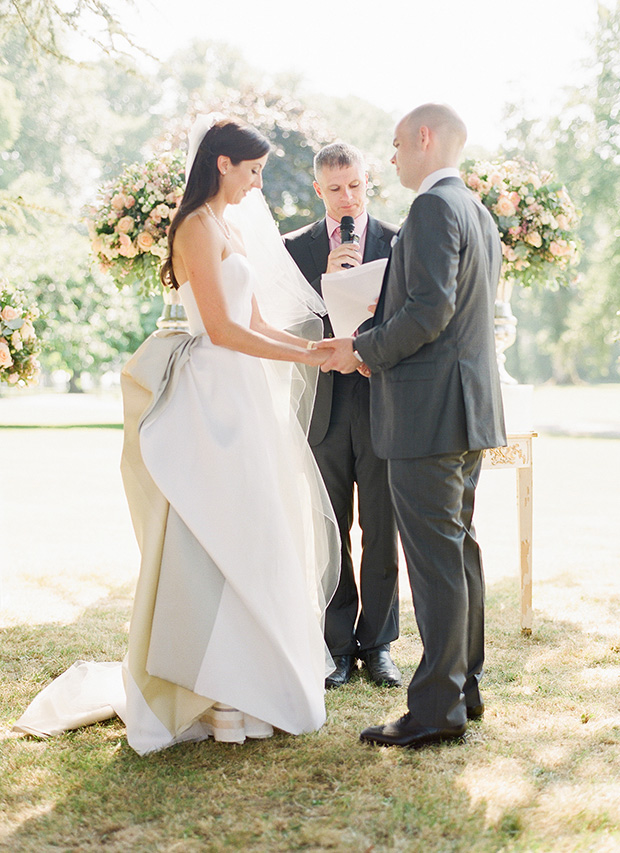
(540, 773)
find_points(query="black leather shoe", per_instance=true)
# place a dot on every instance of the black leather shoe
(381, 668)
(342, 674)
(405, 732)
(475, 712)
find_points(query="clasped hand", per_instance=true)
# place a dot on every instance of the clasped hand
(341, 357)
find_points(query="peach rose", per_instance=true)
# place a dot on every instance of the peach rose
(534, 239)
(559, 248)
(9, 313)
(504, 206)
(124, 224)
(13, 378)
(16, 342)
(27, 331)
(5, 356)
(509, 253)
(160, 212)
(562, 221)
(129, 201)
(118, 201)
(474, 182)
(144, 241)
(495, 179)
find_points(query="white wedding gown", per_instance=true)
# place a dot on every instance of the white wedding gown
(239, 549)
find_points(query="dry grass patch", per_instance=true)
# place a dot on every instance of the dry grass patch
(540, 773)
(535, 775)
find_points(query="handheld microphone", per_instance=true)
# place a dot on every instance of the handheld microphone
(347, 235)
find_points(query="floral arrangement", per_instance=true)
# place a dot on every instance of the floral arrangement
(129, 227)
(535, 217)
(19, 345)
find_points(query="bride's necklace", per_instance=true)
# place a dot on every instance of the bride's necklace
(222, 225)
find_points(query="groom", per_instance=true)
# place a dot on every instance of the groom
(340, 435)
(435, 405)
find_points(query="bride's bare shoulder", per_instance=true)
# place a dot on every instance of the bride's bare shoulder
(197, 227)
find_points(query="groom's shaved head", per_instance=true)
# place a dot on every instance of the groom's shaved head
(427, 139)
(443, 121)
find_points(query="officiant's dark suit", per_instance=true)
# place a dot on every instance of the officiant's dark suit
(340, 439)
(435, 405)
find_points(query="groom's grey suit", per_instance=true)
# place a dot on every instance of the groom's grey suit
(435, 405)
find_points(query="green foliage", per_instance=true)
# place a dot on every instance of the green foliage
(10, 114)
(85, 324)
(46, 27)
(573, 337)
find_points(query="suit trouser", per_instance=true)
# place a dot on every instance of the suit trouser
(345, 457)
(434, 502)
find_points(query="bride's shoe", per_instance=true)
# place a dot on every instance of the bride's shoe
(226, 723)
(256, 729)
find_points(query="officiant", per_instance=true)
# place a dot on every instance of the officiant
(360, 623)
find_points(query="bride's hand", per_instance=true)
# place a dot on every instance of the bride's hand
(316, 357)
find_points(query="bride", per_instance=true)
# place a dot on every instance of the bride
(238, 541)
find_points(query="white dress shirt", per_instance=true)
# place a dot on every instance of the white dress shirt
(430, 180)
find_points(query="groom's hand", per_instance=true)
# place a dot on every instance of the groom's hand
(342, 358)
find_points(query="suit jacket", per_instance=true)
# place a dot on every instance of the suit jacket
(309, 248)
(435, 385)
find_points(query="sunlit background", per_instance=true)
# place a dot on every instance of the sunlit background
(534, 80)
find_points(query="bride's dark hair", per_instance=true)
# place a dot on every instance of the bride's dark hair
(229, 138)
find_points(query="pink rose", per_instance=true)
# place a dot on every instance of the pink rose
(515, 198)
(5, 356)
(124, 224)
(126, 248)
(13, 378)
(495, 179)
(9, 313)
(474, 182)
(144, 241)
(129, 201)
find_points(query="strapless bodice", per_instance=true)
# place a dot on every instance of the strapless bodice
(237, 284)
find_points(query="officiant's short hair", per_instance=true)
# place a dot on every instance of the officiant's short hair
(338, 155)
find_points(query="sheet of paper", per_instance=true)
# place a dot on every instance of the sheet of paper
(348, 293)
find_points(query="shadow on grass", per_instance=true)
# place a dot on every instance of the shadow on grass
(538, 773)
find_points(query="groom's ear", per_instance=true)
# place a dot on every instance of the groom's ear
(223, 164)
